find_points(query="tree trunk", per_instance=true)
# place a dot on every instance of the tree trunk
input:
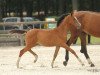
(75, 4)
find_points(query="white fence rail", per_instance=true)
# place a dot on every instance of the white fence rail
(20, 23)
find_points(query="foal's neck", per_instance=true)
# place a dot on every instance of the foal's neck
(62, 28)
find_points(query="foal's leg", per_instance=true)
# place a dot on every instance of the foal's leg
(84, 49)
(55, 55)
(69, 42)
(73, 52)
(33, 53)
(21, 53)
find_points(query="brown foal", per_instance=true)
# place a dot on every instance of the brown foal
(55, 37)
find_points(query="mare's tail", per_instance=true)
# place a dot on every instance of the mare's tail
(18, 31)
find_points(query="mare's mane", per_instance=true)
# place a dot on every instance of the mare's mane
(92, 12)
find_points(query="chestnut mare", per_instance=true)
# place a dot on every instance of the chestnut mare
(89, 23)
(55, 37)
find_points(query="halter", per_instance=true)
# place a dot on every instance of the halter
(78, 24)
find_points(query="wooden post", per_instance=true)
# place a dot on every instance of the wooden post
(75, 4)
(21, 27)
(21, 37)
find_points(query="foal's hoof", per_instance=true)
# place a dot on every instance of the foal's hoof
(92, 65)
(83, 64)
(36, 57)
(52, 65)
(65, 63)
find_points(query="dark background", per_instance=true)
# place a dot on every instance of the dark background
(44, 8)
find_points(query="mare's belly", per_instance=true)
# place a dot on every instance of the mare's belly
(93, 31)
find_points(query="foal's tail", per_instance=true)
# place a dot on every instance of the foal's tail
(18, 31)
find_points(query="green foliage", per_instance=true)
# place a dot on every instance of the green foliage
(94, 40)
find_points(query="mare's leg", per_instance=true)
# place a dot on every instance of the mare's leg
(69, 42)
(55, 55)
(21, 53)
(84, 49)
(33, 53)
(73, 52)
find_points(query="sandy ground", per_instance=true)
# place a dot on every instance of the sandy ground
(9, 55)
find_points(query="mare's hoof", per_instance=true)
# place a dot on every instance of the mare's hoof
(92, 65)
(65, 63)
(81, 51)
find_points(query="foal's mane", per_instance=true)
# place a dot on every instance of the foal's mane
(61, 18)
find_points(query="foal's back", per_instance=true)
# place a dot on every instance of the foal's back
(43, 37)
